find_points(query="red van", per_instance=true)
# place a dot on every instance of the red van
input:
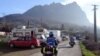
(25, 42)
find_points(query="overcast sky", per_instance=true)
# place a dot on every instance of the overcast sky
(20, 6)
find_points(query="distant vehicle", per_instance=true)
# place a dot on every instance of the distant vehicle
(72, 44)
(72, 41)
(25, 42)
(64, 38)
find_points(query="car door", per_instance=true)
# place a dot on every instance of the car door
(24, 42)
(17, 42)
(20, 42)
(27, 41)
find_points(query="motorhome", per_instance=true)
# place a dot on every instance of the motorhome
(39, 34)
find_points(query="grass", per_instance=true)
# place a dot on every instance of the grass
(86, 52)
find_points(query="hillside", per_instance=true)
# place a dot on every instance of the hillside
(53, 15)
(70, 13)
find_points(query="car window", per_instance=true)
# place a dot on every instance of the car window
(20, 38)
(27, 38)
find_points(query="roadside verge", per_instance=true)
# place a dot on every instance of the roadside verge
(86, 52)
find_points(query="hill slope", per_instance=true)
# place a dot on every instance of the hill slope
(53, 14)
(70, 13)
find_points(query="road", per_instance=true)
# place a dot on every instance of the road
(65, 50)
(18, 51)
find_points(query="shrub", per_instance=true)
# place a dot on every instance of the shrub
(91, 45)
(86, 52)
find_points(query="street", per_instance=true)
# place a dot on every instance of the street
(63, 50)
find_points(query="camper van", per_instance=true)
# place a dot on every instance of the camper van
(27, 37)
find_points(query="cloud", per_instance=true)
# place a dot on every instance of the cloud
(87, 7)
(66, 1)
(80, 2)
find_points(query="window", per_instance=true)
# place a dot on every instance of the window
(21, 38)
(17, 34)
(40, 30)
(28, 38)
(27, 33)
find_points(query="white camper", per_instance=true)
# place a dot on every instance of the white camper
(17, 32)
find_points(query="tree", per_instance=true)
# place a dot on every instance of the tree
(7, 28)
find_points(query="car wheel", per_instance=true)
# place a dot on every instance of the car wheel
(11, 45)
(32, 46)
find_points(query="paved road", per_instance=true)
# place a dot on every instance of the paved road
(65, 50)
(19, 52)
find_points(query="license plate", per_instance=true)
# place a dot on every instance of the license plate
(48, 52)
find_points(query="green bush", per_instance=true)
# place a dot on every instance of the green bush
(86, 52)
(2, 44)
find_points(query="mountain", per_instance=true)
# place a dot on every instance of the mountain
(50, 15)
(18, 19)
(70, 13)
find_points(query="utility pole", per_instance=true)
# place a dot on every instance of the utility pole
(62, 27)
(95, 25)
(28, 23)
(41, 22)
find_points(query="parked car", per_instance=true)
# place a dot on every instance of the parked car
(24, 42)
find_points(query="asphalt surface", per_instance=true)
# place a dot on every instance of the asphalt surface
(65, 50)
(18, 51)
